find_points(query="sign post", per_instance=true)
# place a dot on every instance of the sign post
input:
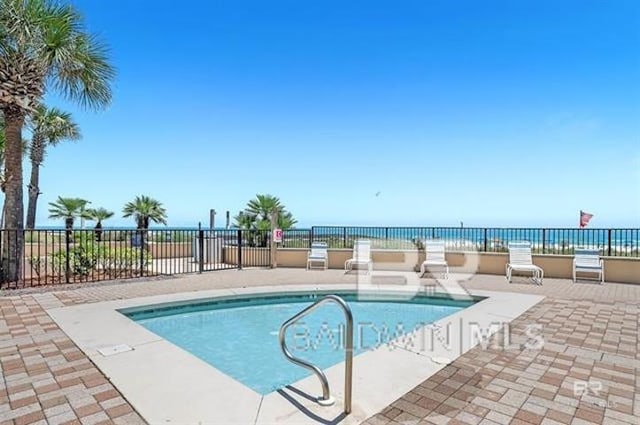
(276, 236)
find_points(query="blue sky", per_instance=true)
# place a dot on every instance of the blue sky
(495, 113)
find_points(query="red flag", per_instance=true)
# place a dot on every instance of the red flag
(584, 218)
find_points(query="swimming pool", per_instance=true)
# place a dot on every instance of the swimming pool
(239, 335)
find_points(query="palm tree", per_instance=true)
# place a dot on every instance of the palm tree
(42, 44)
(68, 209)
(49, 126)
(2, 179)
(256, 219)
(98, 215)
(145, 210)
(245, 221)
(263, 205)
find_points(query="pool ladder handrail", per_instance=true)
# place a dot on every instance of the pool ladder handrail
(326, 399)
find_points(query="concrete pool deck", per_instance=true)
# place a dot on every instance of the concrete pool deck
(590, 331)
(166, 384)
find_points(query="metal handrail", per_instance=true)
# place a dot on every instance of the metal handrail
(326, 399)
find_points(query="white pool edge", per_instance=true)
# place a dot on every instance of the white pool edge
(166, 384)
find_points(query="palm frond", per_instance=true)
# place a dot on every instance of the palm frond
(67, 208)
(45, 43)
(98, 214)
(261, 208)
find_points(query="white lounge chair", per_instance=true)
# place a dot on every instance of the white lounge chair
(588, 261)
(435, 257)
(318, 254)
(361, 256)
(520, 260)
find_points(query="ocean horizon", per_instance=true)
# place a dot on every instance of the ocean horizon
(550, 237)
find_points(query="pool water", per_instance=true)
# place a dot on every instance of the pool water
(240, 336)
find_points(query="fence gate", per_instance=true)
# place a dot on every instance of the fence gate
(231, 249)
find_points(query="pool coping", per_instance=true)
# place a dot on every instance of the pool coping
(166, 384)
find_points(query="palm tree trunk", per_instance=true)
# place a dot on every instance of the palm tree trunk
(13, 236)
(4, 210)
(37, 154)
(98, 231)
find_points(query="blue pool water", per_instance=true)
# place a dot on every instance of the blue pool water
(240, 336)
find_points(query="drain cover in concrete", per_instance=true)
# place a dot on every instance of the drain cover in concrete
(116, 349)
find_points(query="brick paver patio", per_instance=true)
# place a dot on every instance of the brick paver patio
(590, 333)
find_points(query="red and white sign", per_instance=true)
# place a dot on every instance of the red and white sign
(277, 235)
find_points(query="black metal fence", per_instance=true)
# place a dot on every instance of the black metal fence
(610, 242)
(59, 256)
(48, 257)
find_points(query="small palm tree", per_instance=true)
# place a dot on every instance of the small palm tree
(98, 215)
(263, 205)
(49, 126)
(245, 221)
(145, 210)
(256, 219)
(68, 209)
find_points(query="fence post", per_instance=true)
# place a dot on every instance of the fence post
(310, 237)
(67, 265)
(344, 237)
(485, 240)
(609, 242)
(200, 248)
(239, 249)
(544, 239)
(142, 232)
(386, 233)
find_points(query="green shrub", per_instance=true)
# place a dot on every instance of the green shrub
(36, 264)
(82, 260)
(87, 256)
(116, 261)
